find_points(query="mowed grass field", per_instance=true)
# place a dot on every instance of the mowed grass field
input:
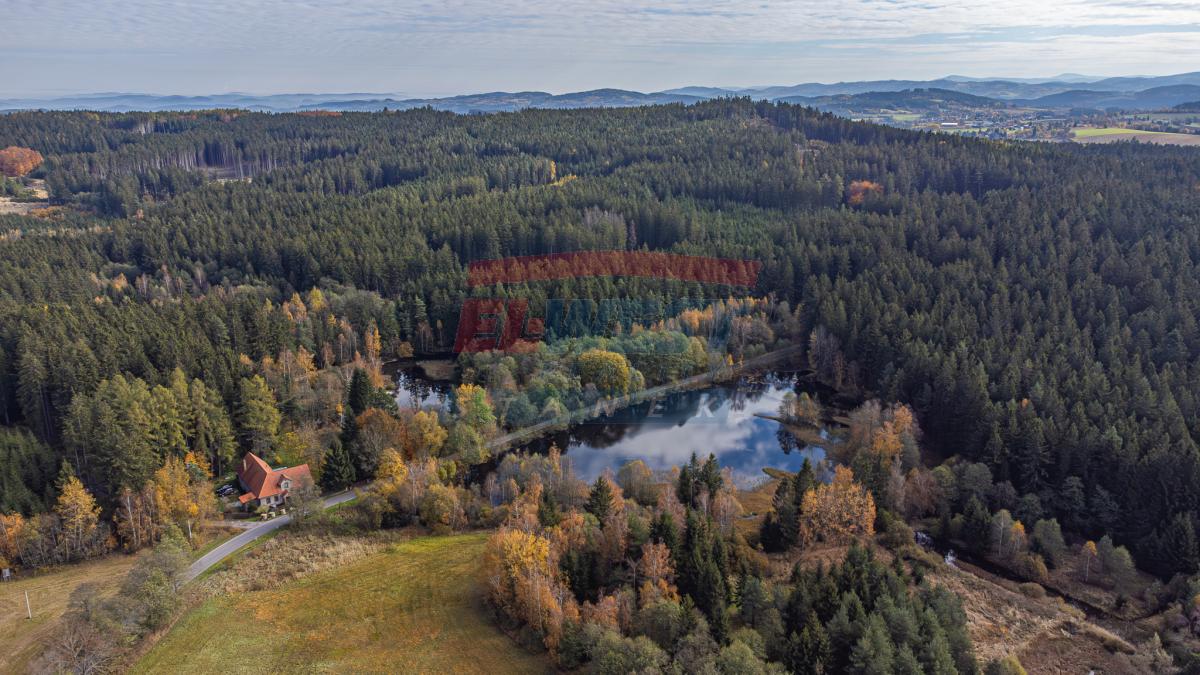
(413, 609)
(22, 640)
(1108, 131)
(1113, 134)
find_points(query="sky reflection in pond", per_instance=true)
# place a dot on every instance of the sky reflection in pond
(720, 420)
(414, 392)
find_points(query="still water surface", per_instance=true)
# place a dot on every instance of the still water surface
(721, 420)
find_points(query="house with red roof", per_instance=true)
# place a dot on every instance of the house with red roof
(265, 486)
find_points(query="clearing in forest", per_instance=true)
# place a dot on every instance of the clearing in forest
(1114, 134)
(414, 608)
(22, 640)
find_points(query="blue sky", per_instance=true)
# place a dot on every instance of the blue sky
(461, 46)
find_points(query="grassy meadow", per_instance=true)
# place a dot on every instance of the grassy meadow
(22, 640)
(414, 608)
(1109, 131)
(1113, 134)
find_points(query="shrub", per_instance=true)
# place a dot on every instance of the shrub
(1030, 566)
(896, 533)
(615, 655)
(1032, 590)
(1008, 665)
(441, 510)
(1048, 540)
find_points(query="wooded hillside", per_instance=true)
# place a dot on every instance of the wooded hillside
(1036, 305)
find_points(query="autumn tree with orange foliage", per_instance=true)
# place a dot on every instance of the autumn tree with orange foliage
(79, 519)
(860, 188)
(657, 575)
(17, 161)
(11, 525)
(523, 583)
(378, 430)
(426, 435)
(838, 512)
(179, 496)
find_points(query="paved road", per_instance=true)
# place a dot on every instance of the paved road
(219, 553)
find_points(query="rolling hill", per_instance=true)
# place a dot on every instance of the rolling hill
(1070, 91)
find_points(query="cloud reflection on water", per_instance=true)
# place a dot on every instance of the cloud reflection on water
(722, 421)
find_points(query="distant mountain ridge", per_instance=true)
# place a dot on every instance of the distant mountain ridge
(1069, 91)
(1153, 98)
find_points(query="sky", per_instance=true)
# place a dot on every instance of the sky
(422, 49)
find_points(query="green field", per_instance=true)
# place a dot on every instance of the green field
(413, 609)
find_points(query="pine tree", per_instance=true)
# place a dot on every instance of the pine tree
(549, 515)
(770, 535)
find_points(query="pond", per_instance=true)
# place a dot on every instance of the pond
(414, 391)
(721, 420)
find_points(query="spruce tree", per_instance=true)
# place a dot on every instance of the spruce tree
(874, 653)
(906, 662)
(804, 481)
(809, 650)
(976, 524)
(664, 531)
(785, 521)
(358, 393)
(687, 488)
(710, 476)
(337, 471)
(258, 417)
(600, 500)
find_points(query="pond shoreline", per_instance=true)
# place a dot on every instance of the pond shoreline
(610, 407)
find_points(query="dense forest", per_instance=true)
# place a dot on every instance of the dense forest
(1035, 305)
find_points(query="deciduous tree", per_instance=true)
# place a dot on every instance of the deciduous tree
(837, 512)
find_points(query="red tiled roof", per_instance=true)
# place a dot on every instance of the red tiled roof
(260, 480)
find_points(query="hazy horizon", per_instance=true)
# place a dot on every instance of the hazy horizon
(732, 87)
(424, 49)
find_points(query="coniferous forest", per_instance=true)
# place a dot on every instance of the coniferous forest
(1035, 305)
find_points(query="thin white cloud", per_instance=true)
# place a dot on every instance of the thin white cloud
(457, 46)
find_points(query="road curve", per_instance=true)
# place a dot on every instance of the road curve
(219, 553)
